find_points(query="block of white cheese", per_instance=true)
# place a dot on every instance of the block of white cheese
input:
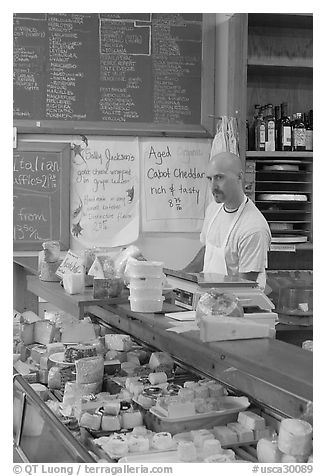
(89, 369)
(293, 459)
(295, 437)
(44, 331)
(77, 332)
(37, 352)
(131, 419)
(157, 377)
(74, 283)
(54, 378)
(178, 409)
(30, 317)
(251, 420)
(244, 434)
(213, 329)
(26, 333)
(225, 435)
(91, 421)
(40, 389)
(110, 423)
(120, 342)
(268, 451)
(160, 358)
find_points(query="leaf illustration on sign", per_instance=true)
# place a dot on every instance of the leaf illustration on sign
(78, 210)
(130, 194)
(77, 150)
(84, 139)
(76, 229)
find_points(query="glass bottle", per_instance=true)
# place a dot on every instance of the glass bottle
(298, 133)
(253, 126)
(284, 134)
(309, 130)
(260, 133)
(277, 114)
(270, 128)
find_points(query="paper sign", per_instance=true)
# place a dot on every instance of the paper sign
(174, 189)
(105, 191)
(72, 263)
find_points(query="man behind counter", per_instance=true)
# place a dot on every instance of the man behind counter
(235, 235)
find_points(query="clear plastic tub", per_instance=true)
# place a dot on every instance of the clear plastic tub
(147, 269)
(147, 283)
(146, 305)
(145, 293)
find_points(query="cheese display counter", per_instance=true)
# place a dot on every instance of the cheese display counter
(271, 378)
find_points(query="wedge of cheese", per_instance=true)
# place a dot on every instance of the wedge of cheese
(213, 329)
(44, 331)
(77, 332)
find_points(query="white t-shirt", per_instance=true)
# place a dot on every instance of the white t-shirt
(248, 243)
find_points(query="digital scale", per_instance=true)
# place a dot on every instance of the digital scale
(188, 288)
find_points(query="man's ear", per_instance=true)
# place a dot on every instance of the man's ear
(241, 175)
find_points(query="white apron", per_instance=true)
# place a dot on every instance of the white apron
(214, 260)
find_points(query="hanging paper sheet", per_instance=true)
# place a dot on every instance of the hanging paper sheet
(174, 190)
(105, 191)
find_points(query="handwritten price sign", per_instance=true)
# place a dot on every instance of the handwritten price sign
(175, 185)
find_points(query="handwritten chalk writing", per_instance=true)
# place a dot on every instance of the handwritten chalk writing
(28, 216)
(44, 181)
(37, 165)
(159, 155)
(26, 232)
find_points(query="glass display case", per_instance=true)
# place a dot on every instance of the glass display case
(39, 437)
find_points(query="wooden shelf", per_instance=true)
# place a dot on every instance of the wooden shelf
(279, 63)
(282, 20)
(278, 154)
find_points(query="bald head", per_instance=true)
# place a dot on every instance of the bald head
(226, 161)
(225, 174)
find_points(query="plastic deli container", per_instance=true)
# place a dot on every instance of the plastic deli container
(146, 305)
(147, 269)
(156, 421)
(147, 283)
(151, 293)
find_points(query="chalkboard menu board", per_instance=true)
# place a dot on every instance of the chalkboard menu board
(41, 174)
(141, 73)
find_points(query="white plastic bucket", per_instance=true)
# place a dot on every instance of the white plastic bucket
(146, 305)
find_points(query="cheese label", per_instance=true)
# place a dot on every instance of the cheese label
(72, 263)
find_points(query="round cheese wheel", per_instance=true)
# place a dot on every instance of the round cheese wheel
(295, 437)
